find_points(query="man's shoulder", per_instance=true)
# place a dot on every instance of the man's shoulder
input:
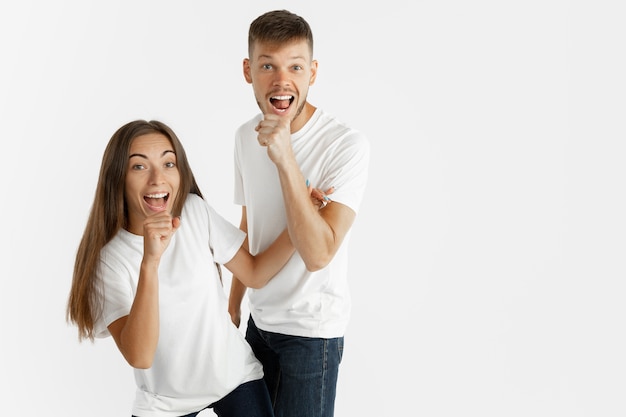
(250, 123)
(341, 130)
(325, 118)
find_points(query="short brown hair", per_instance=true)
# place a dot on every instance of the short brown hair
(277, 27)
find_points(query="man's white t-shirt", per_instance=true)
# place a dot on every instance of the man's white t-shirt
(298, 302)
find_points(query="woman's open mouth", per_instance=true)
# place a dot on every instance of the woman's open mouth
(157, 201)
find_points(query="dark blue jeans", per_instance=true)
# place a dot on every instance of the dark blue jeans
(300, 372)
(247, 400)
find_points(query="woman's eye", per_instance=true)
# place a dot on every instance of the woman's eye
(170, 164)
(137, 167)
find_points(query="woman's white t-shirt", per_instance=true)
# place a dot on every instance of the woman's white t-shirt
(201, 356)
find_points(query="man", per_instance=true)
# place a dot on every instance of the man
(299, 318)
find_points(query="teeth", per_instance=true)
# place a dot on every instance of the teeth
(159, 195)
(282, 97)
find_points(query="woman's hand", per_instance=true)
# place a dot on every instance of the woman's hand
(158, 230)
(320, 198)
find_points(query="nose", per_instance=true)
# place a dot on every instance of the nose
(156, 176)
(282, 78)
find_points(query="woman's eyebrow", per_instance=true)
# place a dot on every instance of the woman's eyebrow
(145, 157)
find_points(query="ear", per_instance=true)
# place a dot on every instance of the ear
(246, 70)
(313, 72)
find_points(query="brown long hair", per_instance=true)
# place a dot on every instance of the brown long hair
(109, 214)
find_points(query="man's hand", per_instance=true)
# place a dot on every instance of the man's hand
(274, 132)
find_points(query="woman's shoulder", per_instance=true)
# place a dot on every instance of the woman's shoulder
(194, 200)
(195, 207)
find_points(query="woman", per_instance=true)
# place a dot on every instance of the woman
(145, 274)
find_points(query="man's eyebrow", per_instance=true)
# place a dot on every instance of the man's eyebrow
(271, 57)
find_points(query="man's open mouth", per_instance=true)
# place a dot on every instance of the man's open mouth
(281, 102)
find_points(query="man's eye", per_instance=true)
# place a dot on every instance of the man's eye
(267, 66)
(297, 67)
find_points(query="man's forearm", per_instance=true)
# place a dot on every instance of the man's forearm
(310, 234)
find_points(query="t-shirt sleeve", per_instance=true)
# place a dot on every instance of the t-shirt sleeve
(116, 283)
(224, 237)
(348, 171)
(238, 198)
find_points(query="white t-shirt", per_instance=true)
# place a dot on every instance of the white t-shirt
(298, 302)
(201, 356)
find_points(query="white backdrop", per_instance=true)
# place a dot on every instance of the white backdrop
(487, 262)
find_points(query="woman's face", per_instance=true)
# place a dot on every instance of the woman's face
(152, 179)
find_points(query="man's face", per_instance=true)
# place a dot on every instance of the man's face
(280, 76)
